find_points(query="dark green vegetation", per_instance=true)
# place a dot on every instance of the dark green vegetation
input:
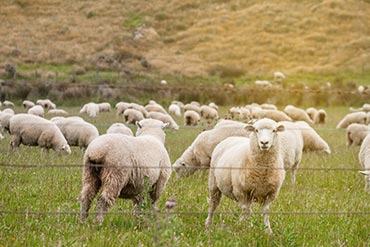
(327, 207)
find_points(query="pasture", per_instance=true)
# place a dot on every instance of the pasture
(327, 206)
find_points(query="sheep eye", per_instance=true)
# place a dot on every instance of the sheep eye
(182, 163)
(256, 131)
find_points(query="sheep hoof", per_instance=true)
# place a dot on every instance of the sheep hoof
(268, 231)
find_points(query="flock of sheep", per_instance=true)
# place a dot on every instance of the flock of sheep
(247, 153)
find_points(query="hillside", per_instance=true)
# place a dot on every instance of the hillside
(191, 38)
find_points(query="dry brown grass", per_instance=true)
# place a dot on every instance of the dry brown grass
(194, 36)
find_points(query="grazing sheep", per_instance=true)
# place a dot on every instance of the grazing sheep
(275, 115)
(179, 103)
(297, 114)
(27, 104)
(127, 168)
(121, 107)
(46, 103)
(267, 106)
(104, 107)
(36, 110)
(264, 83)
(311, 140)
(364, 157)
(279, 77)
(248, 169)
(139, 108)
(132, 116)
(356, 133)
(227, 123)
(31, 130)
(155, 108)
(165, 118)
(77, 132)
(192, 107)
(311, 111)
(119, 128)
(320, 117)
(8, 103)
(9, 111)
(175, 110)
(208, 113)
(191, 118)
(59, 112)
(354, 117)
(91, 109)
(4, 121)
(198, 154)
(213, 105)
(365, 107)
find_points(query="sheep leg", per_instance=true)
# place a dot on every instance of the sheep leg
(15, 141)
(89, 190)
(292, 177)
(246, 210)
(214, 201)
(266, 220)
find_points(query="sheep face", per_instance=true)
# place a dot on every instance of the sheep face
(265, 132)
(183, 168)
(66, 148)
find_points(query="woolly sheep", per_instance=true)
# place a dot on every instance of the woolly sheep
(119, 128)
(275, 115)
(279, 77)
(132, 115)
(365, 107)
(196, 103)
(127, 166)
(155, 108)
(46, 103)
(320, 117)
(59, 112)
(198, 154)
(354, 117)
(139, 108)
(91, 109)
(192, 107)
(297, 114)
(121, 107)
(356, 133)
(260, 83)
(27, 104)
(77, 132)
(179, 103)
(4, 121)
(33, 130)
(267, 106)
(312, 141)
(311, 111)
(191, 118)
(8, 103)
(226, 123)
(213, 105)
(248, 169)
(104, 107)
(175, 110)
(364, 157)
(36, 110)
(208, 113)
(8, 110)
(165, 118)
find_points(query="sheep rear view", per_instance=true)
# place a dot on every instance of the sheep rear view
(248, 169)
(124, 167)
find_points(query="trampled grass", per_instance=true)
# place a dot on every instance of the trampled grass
(327, 207)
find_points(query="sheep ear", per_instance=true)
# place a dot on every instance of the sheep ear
(365, 172)
(138, 124)
(249, 127)
(165, 125)
(280, 128)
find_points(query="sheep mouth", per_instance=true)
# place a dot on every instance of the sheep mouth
(264, 147)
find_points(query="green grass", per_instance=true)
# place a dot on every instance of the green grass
(46, 188)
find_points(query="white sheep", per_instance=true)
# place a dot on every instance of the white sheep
(275, 115)
(279, 77)
(191, 118)
(46, 103)
(192, 107)
(263, 83)
(132, 116)
(248, 169)
(227, 123)
(139, 108)
(354, 117)
(91, 109)
(356, 133)
(312, 141)
(198, 154)
(365, 107)
(320, 117)
(119, 128)
(36, 110)
(213, 105)
(31, 130)
(155, 108)
(175, 110)
(297, 114)
(208, 113)
(8, 103)
(77, 132)
(267, 106)
(59, 112)
(27, 104)
(104, 107)
(121, 107)
(165, 118)
(311, 111)
(127, 168)
(4, 121)
(364, 157)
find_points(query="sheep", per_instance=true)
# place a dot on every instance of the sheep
(275, 115)
(198, 154)
(33, 130)
(365, 107)
(91, 109)
(297, 114)
(165, 118)
(132, 116)
(311, 111)
(213, 105)
(320, 117)
(119, 128)
(192, 107)
(279, 77)
(121, 107)
(191, 118)
(139, 108)
(356, 133)
(36, 110)
(59, 112)
(127, 168)
(155, 108)
(354, 117)
(226, 123)
(8, 103)
(248, 169)
(77, 132)
(208, 113)
(179, 103)
(4, 121)
(311, 140)
(104, 107)
(175, 110)
(196, 103)
(364, 157)
(46, 103)
(27, 104)
(267, 106)
(260, 83)
(9, 111)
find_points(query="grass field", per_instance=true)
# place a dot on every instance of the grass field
(326, 207)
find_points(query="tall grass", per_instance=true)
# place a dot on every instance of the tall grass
(325, 208)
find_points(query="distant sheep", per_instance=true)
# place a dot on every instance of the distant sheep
(208, 113)
(297, 114)
(356, 133)
(27, 104)
(46, 103)
(192, 107)
(354, 117)
(104, 107)
(4, 121)
(36, 110)
(213, 105)
(264, 83)
(165, 118)
(33, 130)
(320, 117)
(119, 128)
(365, 107)
(174, 110)
(248, 170)
(275, 115)
(155, 108)
(121, 107)
(191, 118)
(139, 108)
(127, 167)
(311, 111)
(132, 116)
(279, 77)
(312, 141)
(91, 109)
(8, 103)
(59, 112)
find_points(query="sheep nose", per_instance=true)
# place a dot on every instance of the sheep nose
(264, 142)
